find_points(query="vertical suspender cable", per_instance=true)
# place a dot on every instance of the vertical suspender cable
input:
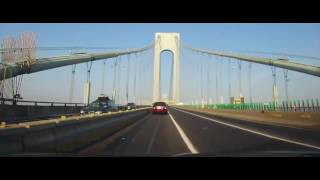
(119, 81)
(73, 69)
(221, 82)
(103, 76)
(216, 68)
(250, 82)
(114, 79)
(286, 81)
(128, 77)
(229, 79)
(208, 80)
(201, 79)
(135, 80)
(240, 79)
(274, 88)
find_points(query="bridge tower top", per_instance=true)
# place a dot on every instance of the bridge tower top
(167, 41)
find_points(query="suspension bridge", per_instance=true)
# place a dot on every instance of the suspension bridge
(213, 105)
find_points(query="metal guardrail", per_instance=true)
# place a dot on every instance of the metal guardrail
(49, 117)
(312, 105)
(36, 103)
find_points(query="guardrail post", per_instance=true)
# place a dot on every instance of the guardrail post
(289, 105)
(312, 102)
(271, 104)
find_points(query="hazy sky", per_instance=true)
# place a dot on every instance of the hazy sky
(54, 84)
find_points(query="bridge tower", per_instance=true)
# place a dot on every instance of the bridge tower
(166, 42)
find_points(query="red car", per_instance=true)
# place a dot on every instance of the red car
(160, 108)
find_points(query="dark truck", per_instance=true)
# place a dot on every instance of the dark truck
(131, 106)
(101, 105)
(128, 106)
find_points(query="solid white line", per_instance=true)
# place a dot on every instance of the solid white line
(184, 137)
(253, 131)
(153, 136)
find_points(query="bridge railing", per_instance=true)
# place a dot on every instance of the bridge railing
(310, 105)
(36, 103)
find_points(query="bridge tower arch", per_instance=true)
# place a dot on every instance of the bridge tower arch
(163, 42)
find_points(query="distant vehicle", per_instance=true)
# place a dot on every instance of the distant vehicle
(122, 108)
(102, 105)
(80, 53)
(160, 108)
(131, 106)
(282, 59)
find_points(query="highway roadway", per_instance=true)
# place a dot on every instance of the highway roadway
(187, 133)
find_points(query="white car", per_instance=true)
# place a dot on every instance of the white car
(98, 112)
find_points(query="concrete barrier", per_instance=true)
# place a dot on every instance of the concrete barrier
(67, 136)
(9, 113)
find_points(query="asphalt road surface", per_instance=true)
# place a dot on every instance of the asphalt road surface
(184, 132)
